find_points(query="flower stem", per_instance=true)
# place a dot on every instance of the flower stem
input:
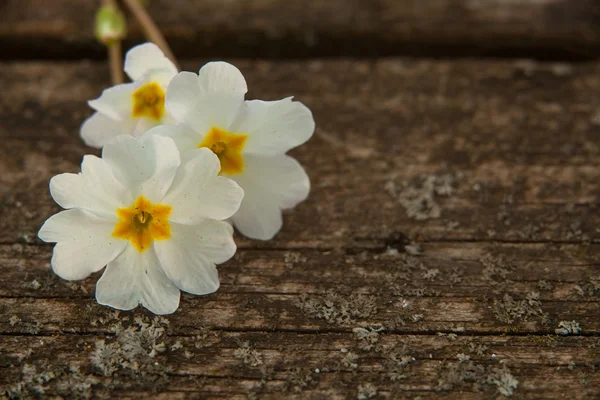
(111, 28)
(115, 57)
(151, 31)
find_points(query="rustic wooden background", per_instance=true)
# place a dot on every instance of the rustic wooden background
(450, 246)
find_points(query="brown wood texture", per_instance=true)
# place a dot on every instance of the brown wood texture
(283, 28)
(449, 249)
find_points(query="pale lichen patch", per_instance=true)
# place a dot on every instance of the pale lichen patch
(509, 310)
(334, 308)
(568, 328)
(300, 379)
(368, 335)
(366, 391)
(420, 197)
(247, 354)
(479, 376)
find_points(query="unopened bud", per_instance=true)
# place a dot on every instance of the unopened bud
(110, 25)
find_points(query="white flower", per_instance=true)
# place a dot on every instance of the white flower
(132, 108)
(249, 137)
(153, 218)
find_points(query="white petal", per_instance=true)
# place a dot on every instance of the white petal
(161, 76)
(119, 286)
(143, 124)
(85, 244)
(214, 239)
(197, 192)
(217, 110)
(222, 77)
(185, 139)
(99, 129)
(189, 94)
(186, 102)
(146, 166)
(158, 294)
(280, 177)
(135, 278)
(116, 102)
(182, 94)
(270, 184)
(189, 256)
(145, 57)
(95, 188)
(214, 110)
(274, 127)
(258, 218)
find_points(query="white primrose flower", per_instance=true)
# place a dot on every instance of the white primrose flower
(249, 137)
(153, 218)
(132, 108)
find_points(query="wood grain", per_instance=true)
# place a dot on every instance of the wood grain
(356, 296)
(518, 142)
(549, 29)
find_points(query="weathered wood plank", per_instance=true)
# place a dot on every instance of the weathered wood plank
(471, 268)
(331, 363)
(513, 253)
(447, 289)
(250, 28)
(542, 350)
(522, 168)
(254, 312)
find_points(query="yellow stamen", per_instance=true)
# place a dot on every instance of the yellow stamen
(142, 223)
(143, 216)
(228, 147)
(149, 101)
(218, 148)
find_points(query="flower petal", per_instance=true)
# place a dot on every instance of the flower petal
(94, 189)
(99, 129)
(145, 57)
(274, 127)
(189, 257)
(146, 166)
(258, 217)
(182, 94)
(188, 104)
(85, 244)
(158, 293)
(185, 139)
(116, 102)
(118, 287)
(197, 192)
(221, 77)
(134, 278)
(213, 238)
(142, 124)
(270, 184)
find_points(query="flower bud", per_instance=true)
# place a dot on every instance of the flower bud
(110, 25)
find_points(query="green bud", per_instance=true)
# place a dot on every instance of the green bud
(110, 25)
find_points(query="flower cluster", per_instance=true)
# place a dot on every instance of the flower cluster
(182, 154)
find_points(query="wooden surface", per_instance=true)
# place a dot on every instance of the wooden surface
(450, 247)
(341, 304)
(283, 28)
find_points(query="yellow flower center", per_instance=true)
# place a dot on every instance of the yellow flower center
(149, 101)
(142, 223)
(228, 147)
